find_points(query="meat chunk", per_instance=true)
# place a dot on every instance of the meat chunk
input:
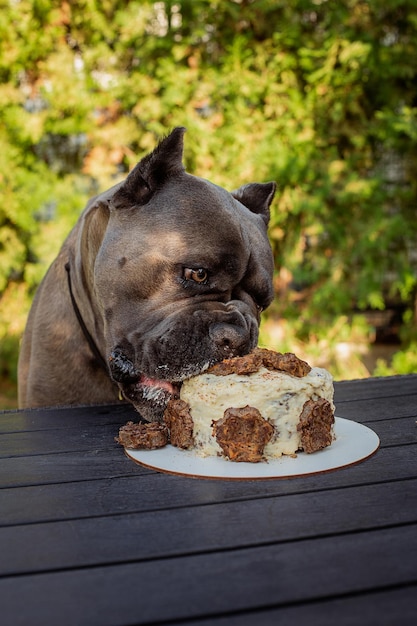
(147, 436)
(178, 418)
(315, 425)
(286, 362)
(259, 357)
(237, 365)
(242, 434)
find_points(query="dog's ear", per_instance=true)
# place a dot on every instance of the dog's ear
(152, 171)
(257, 197)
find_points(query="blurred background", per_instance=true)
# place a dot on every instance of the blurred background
(318, 95)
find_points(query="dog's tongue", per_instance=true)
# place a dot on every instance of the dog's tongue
(159, 384)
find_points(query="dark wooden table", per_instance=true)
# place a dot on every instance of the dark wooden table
(88, 537)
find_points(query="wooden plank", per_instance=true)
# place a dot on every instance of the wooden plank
(392, 463)
(211, 584)
(382, 608)
(58, 468)
(142, 492)
(101, 437)
(371, 410)
(159, 534)
(154, 491)
(384, 387)
(395, 432)
(85, 437)
(65, 417)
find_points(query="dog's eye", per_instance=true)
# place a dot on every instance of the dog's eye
(199, 275)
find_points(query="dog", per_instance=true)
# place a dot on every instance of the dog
(162, 276)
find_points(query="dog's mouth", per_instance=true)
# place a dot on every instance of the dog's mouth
(157, 390)
(149, 395)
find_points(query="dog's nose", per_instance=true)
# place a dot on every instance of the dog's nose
(229, 338)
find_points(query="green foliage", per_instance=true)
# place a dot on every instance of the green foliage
(320, 96)
(403, 362)
(340, 345)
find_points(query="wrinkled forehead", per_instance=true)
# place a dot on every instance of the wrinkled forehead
(194, 220)
(190, 212)
(196, 204)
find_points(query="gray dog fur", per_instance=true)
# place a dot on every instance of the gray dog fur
(169, 273)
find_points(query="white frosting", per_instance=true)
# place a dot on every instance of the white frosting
(279, 397)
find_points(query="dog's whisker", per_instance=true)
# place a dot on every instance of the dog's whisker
(155, 394)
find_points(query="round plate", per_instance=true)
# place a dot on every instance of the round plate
(354, 442)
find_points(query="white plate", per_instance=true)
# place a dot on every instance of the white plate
(354, 442)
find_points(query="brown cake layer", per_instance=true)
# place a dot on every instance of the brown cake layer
(261, 357)
(316, 421)
(147, 436)
(178, 418)
(242, 434)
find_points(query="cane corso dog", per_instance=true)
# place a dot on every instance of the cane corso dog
(163, 275)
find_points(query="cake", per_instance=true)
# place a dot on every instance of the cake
(147, 436)
(253, 408)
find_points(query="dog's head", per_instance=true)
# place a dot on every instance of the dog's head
(182, 274)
